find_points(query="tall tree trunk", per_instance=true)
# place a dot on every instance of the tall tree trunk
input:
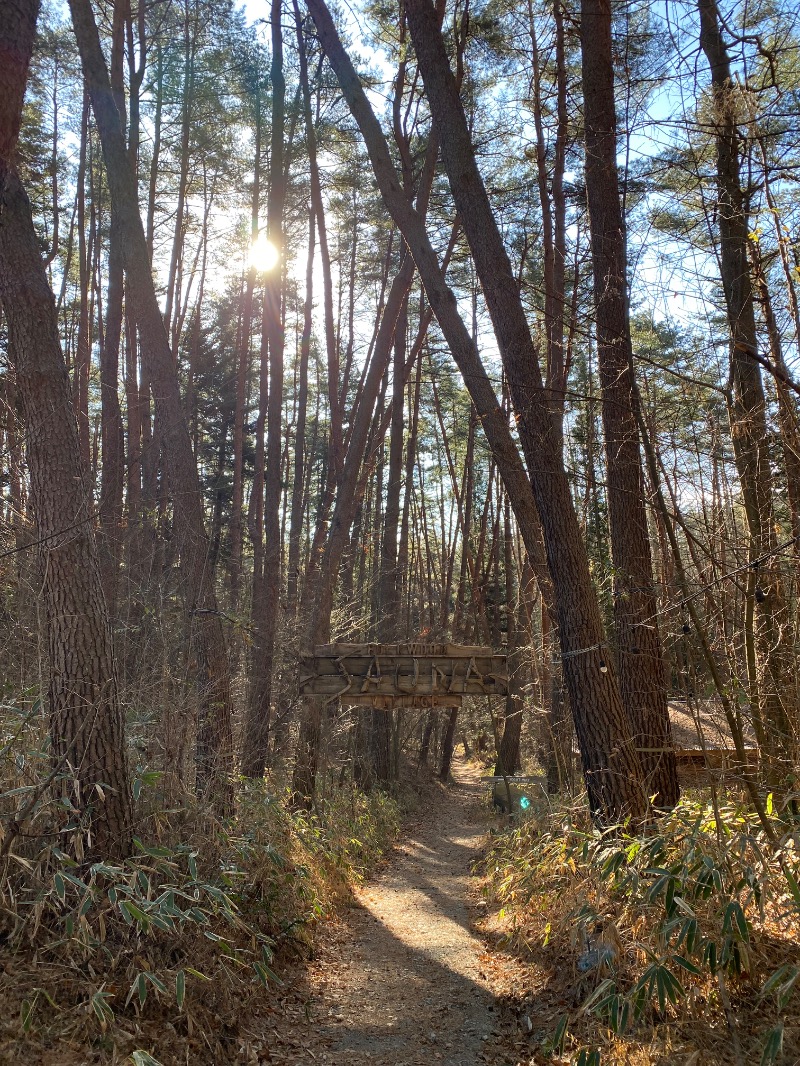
(639, 653)
(550, 177)
(381, 718)
(771, 694)
(464, 594)
(156, 153)
(206, 634)
(427, 734)
(388, 589)
(299, 479)
(111, 427)
(83, 347)
(448, 744)
(243, 369)
(331, 344)
(387, 583)
(16, 517)
(787, 403)
(508, 755)
(411, 452)
(86, 722)
(135, 396)
(187, 102)
(256, 736)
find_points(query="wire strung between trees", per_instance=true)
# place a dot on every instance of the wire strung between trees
(754, 565)
(582, 651)
(45, 540)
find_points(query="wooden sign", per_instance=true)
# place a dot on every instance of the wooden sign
(406, 675)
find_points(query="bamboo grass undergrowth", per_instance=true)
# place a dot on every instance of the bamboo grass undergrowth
(663, 942)
(177, 946)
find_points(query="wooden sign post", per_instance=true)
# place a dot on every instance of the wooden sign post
(385, 676)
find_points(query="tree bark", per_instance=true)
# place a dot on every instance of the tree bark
(448, 744)
(256, 736)
(86, 722)
(299, 479)
(83, 345)
(388, 589)
(243, 369)
(550, 179)
(639, 652)
(173, 287)
(112, 433)
(331, 344)
(402, 549)
(508, 755)
(787, 403)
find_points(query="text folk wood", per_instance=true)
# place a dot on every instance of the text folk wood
(394, 675)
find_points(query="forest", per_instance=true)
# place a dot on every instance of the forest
(450, 335)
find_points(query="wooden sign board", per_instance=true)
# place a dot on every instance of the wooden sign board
(409, 675)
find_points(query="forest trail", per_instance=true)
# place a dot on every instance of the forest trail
(399, 981)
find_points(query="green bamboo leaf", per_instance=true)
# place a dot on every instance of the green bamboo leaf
(588, 1057)
(139, 987)
(101, 1008)
(603, 989)
(661, 991)
(675, 989)
(26, 1014)
(76, 881)
(794, 888)
(669, 901)
(735, 920)
(265, 974)
(156, 982)
(710, 956)
(144, 1058)
(560, 1035)
(682, 961)
(133, 913)
(773, 1046)
(782, 982)
(106, 871)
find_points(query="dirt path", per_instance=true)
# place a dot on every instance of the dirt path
(399, 981)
